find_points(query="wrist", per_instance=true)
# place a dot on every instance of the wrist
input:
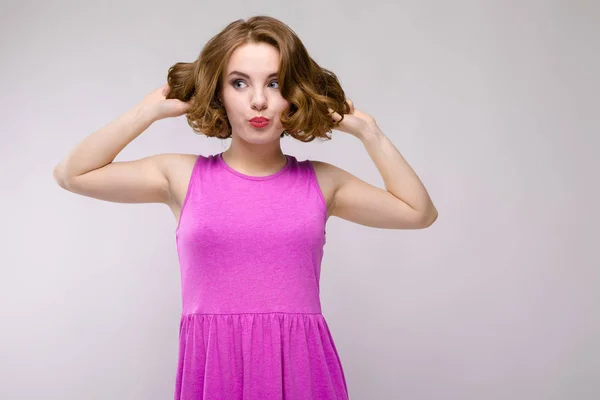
(372, 133)
(145, 113)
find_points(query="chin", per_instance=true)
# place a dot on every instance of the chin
(260, 140)
(258, 137)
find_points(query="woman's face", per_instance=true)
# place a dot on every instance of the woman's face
(251, 89)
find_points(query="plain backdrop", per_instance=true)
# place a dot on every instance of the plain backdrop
(494, 104)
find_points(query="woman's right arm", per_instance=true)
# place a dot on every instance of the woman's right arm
(89, 168)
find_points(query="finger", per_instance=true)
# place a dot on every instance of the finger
(351, 104)
(335, 117)
(164, 88)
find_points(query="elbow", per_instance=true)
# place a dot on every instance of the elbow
(429, 218)
(58, 176)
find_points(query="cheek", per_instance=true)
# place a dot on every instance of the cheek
(234, 108)
(281, 105)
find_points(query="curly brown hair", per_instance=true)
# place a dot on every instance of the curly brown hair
(310, 89)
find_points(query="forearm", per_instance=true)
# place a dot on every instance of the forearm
(101, 147)
(399, 178)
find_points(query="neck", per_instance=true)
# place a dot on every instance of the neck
(253, 159)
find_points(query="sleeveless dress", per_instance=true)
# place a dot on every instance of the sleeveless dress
(250, 251)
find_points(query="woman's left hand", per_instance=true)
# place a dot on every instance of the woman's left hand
(357, 123)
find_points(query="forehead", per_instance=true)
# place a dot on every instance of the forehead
(254, 58)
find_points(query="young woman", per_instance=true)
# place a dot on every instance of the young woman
(251, 220)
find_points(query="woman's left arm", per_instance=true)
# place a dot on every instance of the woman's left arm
(404, 205)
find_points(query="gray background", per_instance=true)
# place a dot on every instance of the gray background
(493, 103)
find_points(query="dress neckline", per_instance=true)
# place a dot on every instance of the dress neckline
(252, 177)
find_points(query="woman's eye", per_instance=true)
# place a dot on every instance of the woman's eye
(235, 83)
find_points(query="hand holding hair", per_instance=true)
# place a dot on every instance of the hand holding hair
(158, 106)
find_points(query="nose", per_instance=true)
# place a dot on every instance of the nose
(259, 101)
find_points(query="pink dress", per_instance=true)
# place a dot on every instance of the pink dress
(250, 251)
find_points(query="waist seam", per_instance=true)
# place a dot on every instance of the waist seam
(255, 313)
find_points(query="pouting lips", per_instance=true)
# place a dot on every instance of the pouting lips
(259, 120)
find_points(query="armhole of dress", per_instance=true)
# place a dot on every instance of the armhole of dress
(315, 184)
(190, 188)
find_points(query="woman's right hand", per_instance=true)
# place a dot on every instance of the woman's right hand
(159, 107)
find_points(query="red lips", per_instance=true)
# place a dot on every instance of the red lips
(259, 120)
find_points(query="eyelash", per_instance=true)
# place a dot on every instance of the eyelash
(233, 82)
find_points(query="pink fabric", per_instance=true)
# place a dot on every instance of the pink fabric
(250, 251)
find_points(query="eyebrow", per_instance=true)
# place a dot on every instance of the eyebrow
(274, 74)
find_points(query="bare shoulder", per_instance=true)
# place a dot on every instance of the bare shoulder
(178, 171)
(342, 189)
(328, 177)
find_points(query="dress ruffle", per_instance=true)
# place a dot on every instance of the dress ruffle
(252, 356)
